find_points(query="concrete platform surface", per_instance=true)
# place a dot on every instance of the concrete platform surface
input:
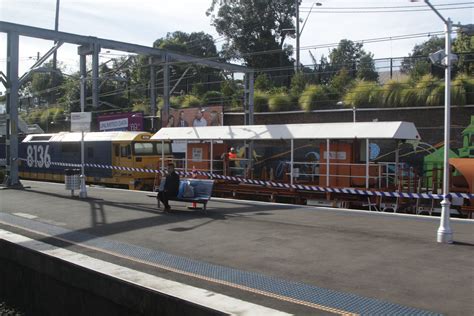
(301, 260)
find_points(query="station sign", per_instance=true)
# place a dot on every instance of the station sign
(81, 121)
(121, 122)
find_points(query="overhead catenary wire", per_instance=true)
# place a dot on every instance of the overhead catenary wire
(384, 11)
(319, 46)
(144, 86)
(400, 37)
(109, 93)
(391, 7)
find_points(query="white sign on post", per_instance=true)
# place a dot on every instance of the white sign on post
(81, 121)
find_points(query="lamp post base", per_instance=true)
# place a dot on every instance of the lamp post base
(445, 234)
(444, 237)
(83, 191)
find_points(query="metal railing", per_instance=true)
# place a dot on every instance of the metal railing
(381, 174)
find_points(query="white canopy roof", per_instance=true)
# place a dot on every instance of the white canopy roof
(360, 130)
(88, 137)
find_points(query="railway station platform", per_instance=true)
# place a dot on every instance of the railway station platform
(276, 258)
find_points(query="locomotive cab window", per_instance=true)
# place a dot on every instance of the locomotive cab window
(125, 151)
(142, 149)
(40, 138)
(166, 148)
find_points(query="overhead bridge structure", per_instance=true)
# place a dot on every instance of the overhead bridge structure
(89, 45)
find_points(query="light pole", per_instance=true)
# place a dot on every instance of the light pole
(445, 234)
(298, 32)
(83, 190)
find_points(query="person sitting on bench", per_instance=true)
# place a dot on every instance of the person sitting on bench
(171, 187)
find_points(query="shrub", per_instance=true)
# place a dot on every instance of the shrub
(48, 115)
(364, 94)
(436, 96)
(424, 87)
(469, 86)
(458, 93)
(198, 89)
(409, 96)
(175, 102)
(333, 94)
(462, 90)
(263, 83)
(141, 107)
(392, 94)
(212, 97)
(342, 81)
(260, 101)
(277, 90)
(298, 84)
(191, 101)
(34, 117)
(236, 102)
(279, 102)
(58, 115)
(313, 97)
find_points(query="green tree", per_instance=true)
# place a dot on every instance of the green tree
(198, 89)
(298, 83)
(342, 81)
(366, 69)
(417, 63)
(464, 46)
(197, 44)
(252, 26)
(354, 59)
(71, 93)
(112, 88)
(322, 72)
(46, 85)
(232, 93)
(263, 82)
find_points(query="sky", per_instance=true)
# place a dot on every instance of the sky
(144, 21)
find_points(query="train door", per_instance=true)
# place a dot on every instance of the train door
(126, 155)
(116, 154)
(122, 155)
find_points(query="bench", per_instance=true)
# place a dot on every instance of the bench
(469, 209)
(201, 188)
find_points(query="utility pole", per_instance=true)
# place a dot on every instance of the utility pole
(152, 93)
(297, 66)
(299, 32)
(56, 26)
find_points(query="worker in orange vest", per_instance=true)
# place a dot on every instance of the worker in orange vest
(232, 156)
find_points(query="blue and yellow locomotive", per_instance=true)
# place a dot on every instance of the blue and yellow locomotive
(116, 156)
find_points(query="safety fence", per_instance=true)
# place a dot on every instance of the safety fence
(311, 188)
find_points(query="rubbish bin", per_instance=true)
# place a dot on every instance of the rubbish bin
(72, 179)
